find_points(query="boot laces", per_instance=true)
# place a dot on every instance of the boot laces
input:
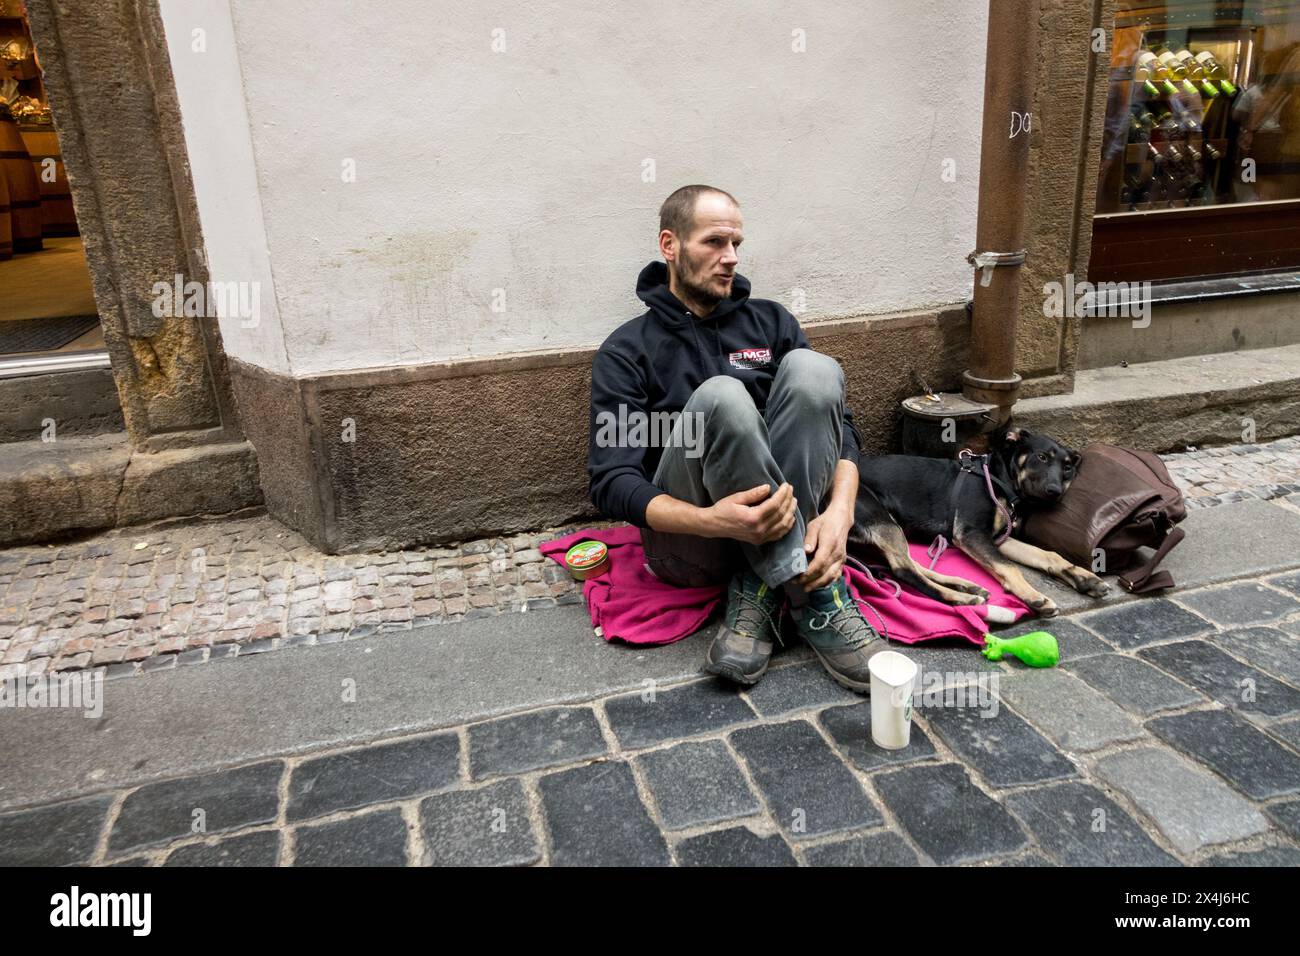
(752, 614)
(853, 627)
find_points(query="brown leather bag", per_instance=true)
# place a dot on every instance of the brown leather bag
(1120, 500)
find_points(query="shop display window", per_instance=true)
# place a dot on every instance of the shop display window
(1200, 165)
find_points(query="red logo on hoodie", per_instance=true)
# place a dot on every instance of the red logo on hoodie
(751, 358)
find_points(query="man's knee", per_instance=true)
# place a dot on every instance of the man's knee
(812, 376)
(723, 401)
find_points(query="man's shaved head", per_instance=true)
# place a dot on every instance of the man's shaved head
(677, 214)
(700, 232)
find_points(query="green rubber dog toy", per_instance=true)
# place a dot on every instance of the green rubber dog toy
(1036, 649)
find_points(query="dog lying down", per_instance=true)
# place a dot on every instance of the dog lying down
(976, 503)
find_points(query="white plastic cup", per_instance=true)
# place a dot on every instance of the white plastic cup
(893, 679)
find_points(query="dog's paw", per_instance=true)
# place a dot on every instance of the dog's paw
(1096, 588)
(1044, 605)
(1085, 582)
(970, 587)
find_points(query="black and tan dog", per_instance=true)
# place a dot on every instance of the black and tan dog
(901, 497)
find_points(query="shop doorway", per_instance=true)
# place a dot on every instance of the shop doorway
(49, 321)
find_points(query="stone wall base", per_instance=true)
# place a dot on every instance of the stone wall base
(78, 485)
(395, 457)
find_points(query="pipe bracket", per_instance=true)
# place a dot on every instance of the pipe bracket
(988, 261)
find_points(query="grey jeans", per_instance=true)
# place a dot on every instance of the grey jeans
(796, 439)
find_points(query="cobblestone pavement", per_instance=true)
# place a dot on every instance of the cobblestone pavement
(1170, 735)
(1212, 476)
(136, 599)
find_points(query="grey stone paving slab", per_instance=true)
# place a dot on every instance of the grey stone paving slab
(697, 783)
(809, 790)
(1239, 604)
(250, 849)
(539, 738)
(1271, 650)
(371, 839)
(788, 689)
(700, 707)
(737, 846)
(1004, 750)
(189, 719)
(950, 818)
(1074, 640)
(596, 818)
(1241, 753)
(1268, 856)
(484, 827)
(56, 835)
(1287, 816)
(1192, 808)
(850, 728)
(1133, 684)
(1288, 731)
(1223, 678)
(1071, 713)
(1081, 826)
(226, 800)
(874, 849)
(1145, 621)
(357, 778)
(1287, 582)
(1237, 540)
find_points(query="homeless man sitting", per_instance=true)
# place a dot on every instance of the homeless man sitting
(758, 479)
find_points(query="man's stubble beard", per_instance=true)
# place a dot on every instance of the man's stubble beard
(683, 274)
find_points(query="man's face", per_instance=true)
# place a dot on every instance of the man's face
(704, 264)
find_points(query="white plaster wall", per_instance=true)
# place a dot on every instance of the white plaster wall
(210, 89)
(522, 170)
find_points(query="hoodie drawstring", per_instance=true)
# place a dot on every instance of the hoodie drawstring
(696, 332)
(717, 342)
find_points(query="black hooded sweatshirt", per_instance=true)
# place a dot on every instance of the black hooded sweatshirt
(653, 364)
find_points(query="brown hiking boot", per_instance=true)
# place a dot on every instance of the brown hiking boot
(743, 645)
(839, 635)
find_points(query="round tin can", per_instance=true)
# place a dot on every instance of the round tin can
(586, 559)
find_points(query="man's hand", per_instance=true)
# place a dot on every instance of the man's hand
(827, 537)
(755, 516)
(825, 544)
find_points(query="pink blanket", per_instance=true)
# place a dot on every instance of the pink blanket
(628, 603)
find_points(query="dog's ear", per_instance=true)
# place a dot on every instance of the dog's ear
(1014, 434)
(1074, 459)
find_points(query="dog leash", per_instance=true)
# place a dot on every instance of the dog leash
(849, 559)
(966, 455)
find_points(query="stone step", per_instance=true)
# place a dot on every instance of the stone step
(1167, 406)
(70, 486)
